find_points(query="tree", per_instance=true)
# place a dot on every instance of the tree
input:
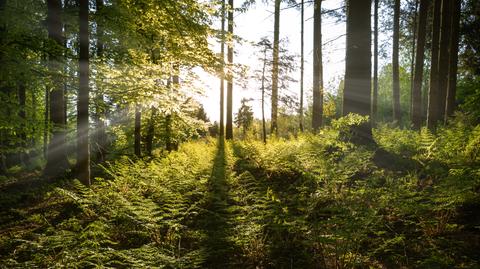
(57, 161)
(244, 117)
(100, 134)
(443, 57)
(229, 125)
(375, 62)
(395, 63)
(356, 94)
(317, 67)
(222, 73)
(276, 39)
(300, 111)
(416, 115)
(453, 59)
(434, 107)
(137, 131)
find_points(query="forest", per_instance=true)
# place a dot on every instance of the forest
(111, 156)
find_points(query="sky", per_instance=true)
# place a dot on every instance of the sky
(256, 23)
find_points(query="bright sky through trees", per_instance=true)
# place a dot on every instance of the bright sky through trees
(257, 22)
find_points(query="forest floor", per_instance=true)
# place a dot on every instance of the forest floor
(315, 201)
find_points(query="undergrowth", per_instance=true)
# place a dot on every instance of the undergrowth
(315, 201)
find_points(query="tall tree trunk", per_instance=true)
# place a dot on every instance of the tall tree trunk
(137, 132)
(302, 63)
(264, 127)
(443, 58)
(418, 70)
(433, 112)
(222, 75)
(22, 98)
(356, 94)
(276, 39)
(453, 60)
(57, 161)
(151, 131)
(229, 126)
(100, 115)
(83, 145)
(168, 133)
(412, 58)
(317, 113)
(46, 129)
(375, 63)
(395, 64)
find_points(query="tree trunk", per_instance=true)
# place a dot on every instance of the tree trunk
(229, 126)
(168, 133)
(433, 112)
(222, 74)
(264, 127)
(453, 60)
(443, 58)
(137, 132)
(317, 113)
(418, 70)
(100, 115)
(302, 62)
(22, 98)
(276, 39)
(46, 129)
(151, 131)
(395, 64)
(57, 161)
(412, 58)
(356, 94)
(375, 63)
(83, 146)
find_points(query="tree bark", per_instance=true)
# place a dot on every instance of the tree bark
(356, 94)
(229, 125)
(317, 113)
(137, 132)
(443, 58)
(433, 112)
(412, 58)
(418, 70)
(222, 75)
(375, 63)
(453, 60)
(395, 63)
(302, 63)
(264, 127)
(151, 131)
(83, 145)
(276, 39)
(57, 161)
(22, 98)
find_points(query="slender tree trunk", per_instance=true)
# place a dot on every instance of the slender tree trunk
(302, 62)
(412, 58)
(264, 127)
(22, 98)
(357, 91)
(317, 113)
(83, 145)
(100, 108)
(433, 113)
(137, 131)
(276, 39)
(395, 64)
(418, 70)
(57, 161)
(222, 75)
(151, 131)
(168, 133)
(375, 63)
(46, 130)
(443, 58)
(229, 126)
(453, 60)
